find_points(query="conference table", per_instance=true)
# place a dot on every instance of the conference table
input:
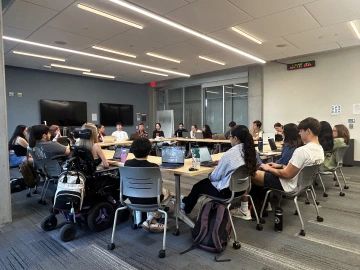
(177, 174)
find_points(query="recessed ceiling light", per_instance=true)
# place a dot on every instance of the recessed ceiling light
(237, 30)
(229, 87)
(99, 75)
(70, 67)
(59, 42)
(113, 51)
(281, 45)
(93, 55)
(163, 57)
(107, 15)
(212, 60)
(39, 56)
(185, 29)
(46, 66)
(151, 72)
(243, 86)
(356, 30)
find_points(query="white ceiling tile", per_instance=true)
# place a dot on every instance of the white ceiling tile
(314, 49)
(349, 43)
(261, 8)
(209, 15)
(15, 33)
(129, 43)
(161, 33)
(52, 4)
(329, 34)
(328, 12)
(117, 69)
(280, 24)
(160, 6)
(211, 47)
(49, 35)
(27, 16)
(274, 56)
(230, 58)
(25, 61)
(87, 62)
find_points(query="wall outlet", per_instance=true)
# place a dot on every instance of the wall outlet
(19, 94)
(11, 94)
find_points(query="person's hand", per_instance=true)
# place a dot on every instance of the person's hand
(265, 167)
(328, 154)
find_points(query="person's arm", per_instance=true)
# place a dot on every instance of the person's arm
(22, 142)
(101, 154)
(219, 171)
(280, 170)
(126, 136)
(59, 149)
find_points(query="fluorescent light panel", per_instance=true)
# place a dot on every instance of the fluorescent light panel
(212, 60)
(39, 56)
(93, 55)
(99, 75)
(243, 86)
(185, 29)
(163, 57)
(113, 51)
(237, 30)
(212, 92)
(230, 93)
(107, 15)
(151, 72)
(70, 67)
(356, 30)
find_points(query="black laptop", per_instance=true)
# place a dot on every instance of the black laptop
(172, 157)
(118, 152)
(186, 134)
(273, 146)
(63, 140)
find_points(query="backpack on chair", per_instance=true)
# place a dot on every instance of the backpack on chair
(212, 229)
(29, 174)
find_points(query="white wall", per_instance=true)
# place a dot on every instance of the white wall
(290, 96)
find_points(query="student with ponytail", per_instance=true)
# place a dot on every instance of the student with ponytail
(241, 153)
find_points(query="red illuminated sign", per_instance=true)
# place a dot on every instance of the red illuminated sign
(301, 65)
(152, 84)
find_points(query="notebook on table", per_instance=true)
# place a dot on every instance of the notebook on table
(173, 157)
(273, 146)
(220, 136)
(205, 158)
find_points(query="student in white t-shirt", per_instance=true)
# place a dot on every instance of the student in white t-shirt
(119, 134)
(285, 177)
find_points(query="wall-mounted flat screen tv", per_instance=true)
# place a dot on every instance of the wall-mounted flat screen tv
(63, 113)
(112, 113)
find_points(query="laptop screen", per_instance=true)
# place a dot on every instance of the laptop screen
(173, 154)
(272, 144)
(186, 134)
(204, 154)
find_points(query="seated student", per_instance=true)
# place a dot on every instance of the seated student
(193, 130)
(55, 132)
(284, 177)
(41, 145)
(180, 130)
(119, 134)
(279, 130)
(292, 140)
(341, 138)
(326, 138)
(207, 133)
(241, 153)
(93, 146)
(18, 145)
(231, 125)
(141, 148)
(141, 132)
(158, 132)
(256, 132)
(101, 133)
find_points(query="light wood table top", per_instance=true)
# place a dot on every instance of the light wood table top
(180, 139)
(130, 142)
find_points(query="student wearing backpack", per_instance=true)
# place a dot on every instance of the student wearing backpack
(241, 153)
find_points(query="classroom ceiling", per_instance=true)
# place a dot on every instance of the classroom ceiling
(287, 28)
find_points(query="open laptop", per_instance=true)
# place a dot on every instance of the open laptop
(186, 134)
(172, 157)
(273, 146)
(220, 136)
(118, 152)
(205, 158)
(108, 139)
(63, 140)
(199, 135)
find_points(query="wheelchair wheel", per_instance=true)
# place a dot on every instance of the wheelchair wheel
(67, 232)
(101, 216)
(48, 223)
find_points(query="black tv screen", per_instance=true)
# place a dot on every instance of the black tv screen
(63, 113)
(112, 113)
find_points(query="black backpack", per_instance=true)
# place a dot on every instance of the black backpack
(212, 229)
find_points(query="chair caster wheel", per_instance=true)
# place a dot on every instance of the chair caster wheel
(162, 254)
(259, 227)
(346, 187)
(28, 195)
(302, 233)
(319, 219)
(134, 226)
(307, 202)
(334, 179)
(176, 232)
(342, 194)
(325, 194)
(166, 209)
(236, 245)
(317, 203)
(336, 185)
(296, 213)
(111, 246)
(262, 221)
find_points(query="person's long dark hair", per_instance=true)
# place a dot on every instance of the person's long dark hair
(326, 138)
(242, 133)
(291, 136)
(19, 132)
(36, 134)
(207, 133)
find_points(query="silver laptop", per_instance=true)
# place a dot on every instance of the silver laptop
(220, 136)
(172, 157)
(186, 134)
(273, 146)
(118, 152)
(205, 157)
(199, 135)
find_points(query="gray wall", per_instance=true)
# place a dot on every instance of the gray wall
(36, 84)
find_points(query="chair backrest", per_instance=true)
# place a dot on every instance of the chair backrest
(87, 165)
(306, 177)
(239, 180)
(340, 152)
(140, 182)
(50, 167)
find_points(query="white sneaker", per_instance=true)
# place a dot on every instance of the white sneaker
(182, 205)
(237, 212)
(268, 208)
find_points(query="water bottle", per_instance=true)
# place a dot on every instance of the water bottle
(260, 144)
(64, 131)
(278, 219)
(196, 158)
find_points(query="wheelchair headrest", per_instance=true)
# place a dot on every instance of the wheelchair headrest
(82, 133)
